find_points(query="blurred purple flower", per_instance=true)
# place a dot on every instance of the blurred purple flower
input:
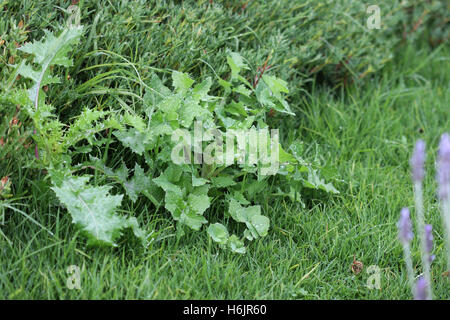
(404, 227)
(429, 241)
(443, 175)
(417, 161)
(421, 289)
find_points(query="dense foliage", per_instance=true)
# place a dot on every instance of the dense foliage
(186, 190)
(115, 90)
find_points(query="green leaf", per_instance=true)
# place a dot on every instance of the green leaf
(236, 109)
(51, 51)
(275, 84)
(173, 173)
(255, 188)
(156, 92)
(181, 81)
(84, 127)
(198, 203)
(257, 224)
(189, 111)
(236, 63)
(242, 90)
(218, 233)
(236, 245)
(135, 121)
(196, 182)
(187, 211)
(174, 204)
(264, 95)
(135, 140)
(170, 104)
(236, 211)
(261, 224)
(238, 196)
(200, 91)
(93, 209)
(163, 182)
(315, 182)
(137, 184)
(285, 157)
(201, 190)
(226, 85)
(248, 235)
(223, 181)
(270, 94)
(283, 107)
(192, 220)
(297, 150)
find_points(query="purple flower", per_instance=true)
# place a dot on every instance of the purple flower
(429, 241)
(421, 289)
(443, 175)
(404, 226)
(417, 161)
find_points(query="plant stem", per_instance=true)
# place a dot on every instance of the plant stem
(446, 221)
(409, 268)
(418, 196)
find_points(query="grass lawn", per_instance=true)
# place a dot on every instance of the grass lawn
(364, 132)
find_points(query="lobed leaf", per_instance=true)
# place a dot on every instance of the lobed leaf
(93, 209)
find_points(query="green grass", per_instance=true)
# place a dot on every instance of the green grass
(364, 132)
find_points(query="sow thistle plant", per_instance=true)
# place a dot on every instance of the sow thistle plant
(92, 208)
(187, 189)
(422, 289)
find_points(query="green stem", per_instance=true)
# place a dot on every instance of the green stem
(420, 218)
(446, 221)
(409, 268)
